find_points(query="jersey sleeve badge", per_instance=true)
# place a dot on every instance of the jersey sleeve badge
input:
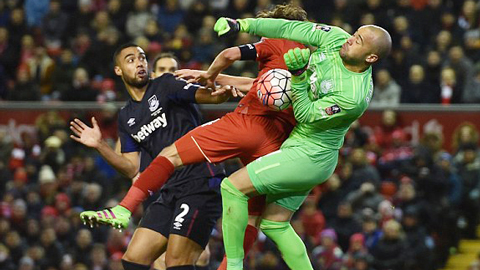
(333, 109)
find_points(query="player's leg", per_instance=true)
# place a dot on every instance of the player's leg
(182, 251)
(192, 223)
(150, 239)
(159, 263)
(204, 259)
(146, 246)
(286, 171)
(201, 264)
(276, 225)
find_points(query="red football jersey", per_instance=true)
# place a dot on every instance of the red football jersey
(269, 56)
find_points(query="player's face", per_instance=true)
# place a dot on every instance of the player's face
(132, 66)
(358, 47)
(164, 65)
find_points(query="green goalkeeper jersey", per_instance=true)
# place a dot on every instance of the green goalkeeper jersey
(332, 97)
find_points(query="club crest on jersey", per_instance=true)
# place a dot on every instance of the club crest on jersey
(333, 109)
(131, 122)
(153, 103)
(326, 86)
(325, 28)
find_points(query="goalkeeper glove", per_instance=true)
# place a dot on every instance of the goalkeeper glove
(297, 60)
(229, 27)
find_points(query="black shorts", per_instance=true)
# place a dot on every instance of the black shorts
(190, 215)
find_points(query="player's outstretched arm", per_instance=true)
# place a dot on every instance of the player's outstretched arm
(303, 32)
(241, 83)
(217, 95)
(127, 164)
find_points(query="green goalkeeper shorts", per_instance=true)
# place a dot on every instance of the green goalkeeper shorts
(286, 176)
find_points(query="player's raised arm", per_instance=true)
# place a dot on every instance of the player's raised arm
(127, 163)
(304, 32)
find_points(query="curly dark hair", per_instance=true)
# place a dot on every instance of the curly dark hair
(288, 11)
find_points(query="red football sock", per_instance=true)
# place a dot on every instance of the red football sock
(150, 180)
(251, 234)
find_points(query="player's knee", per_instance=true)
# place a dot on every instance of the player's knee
(180, 258)
(204, 258)
(170, 152)
(137, 257)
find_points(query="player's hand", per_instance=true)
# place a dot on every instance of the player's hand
(227, 90)
(84, 134)
(206, 79)
(190, 75)
(230, 27)
(297, 60)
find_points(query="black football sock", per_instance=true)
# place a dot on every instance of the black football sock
(134, 266)
(182, 267)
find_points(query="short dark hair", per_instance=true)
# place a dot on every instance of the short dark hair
(120, 49)
(161, 56)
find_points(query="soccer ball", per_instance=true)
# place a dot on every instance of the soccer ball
(274, 89)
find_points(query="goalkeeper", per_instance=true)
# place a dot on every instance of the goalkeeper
(331, 89)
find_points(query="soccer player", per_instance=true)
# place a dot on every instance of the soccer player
(331, 89)
(159, 112)
(251, 131)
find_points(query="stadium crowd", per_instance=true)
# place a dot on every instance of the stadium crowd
(390, 204)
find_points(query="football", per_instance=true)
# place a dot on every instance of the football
(274, 89)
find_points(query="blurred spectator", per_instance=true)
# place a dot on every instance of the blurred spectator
(370, 230)
(17, 26)
(362, 170)
(312, 219)
(26, 263)
(418, 89)
(471, 92)
(331, 196)
(344, 224)
(15, 245)
(387, 91)
(6, 262)
(469, 171)
(36, 11)
(328, 254)
(383, 133)
(63, 74)
(81, 19)
(450, 91)
(9, 53)
(53, 249)
(41, 68)
(390, 251)
(83, 246)
(118, 14)
(80, 89)
(26, 89)
(433, 66)
(99, 257)
(356, 249)
(170, 16)
(463, 68)
(419, 245)
(138, 18)
(365, 197)
(464, 133)
(54, 26)
(195, 14)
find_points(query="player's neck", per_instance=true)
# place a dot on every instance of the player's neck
(355, 68)
(136, 93)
